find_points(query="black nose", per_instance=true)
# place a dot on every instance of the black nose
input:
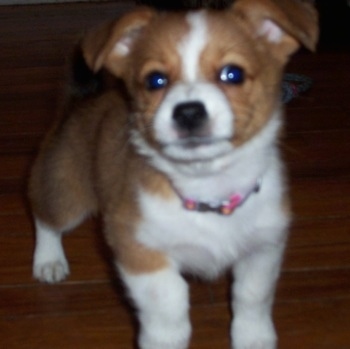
(190, 116)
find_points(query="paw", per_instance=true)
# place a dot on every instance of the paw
(257, 345)
(50, 263)
(166, 337)
(51, 271)
(162, 343)
(254, 335)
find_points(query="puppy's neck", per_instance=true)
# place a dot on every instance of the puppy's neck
(216, 180)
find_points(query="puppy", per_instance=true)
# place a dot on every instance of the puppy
(182, 161)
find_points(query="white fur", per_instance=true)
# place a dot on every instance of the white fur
(122, 47)
(163, 304)
(220, 121)
(50, 264)
(194, 88)
(192, 45)
(271, 31)
(252, 294)
(250, 241)
(232, 171)
(177, 230)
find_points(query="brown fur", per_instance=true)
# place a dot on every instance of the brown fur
(67, 181)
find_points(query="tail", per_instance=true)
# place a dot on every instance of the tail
(82, 81)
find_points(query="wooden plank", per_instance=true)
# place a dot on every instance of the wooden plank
(320, 197)
(319, 232)
(318, 154)
(305, 324)
(303, 119)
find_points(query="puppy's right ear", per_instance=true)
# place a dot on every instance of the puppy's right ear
(109, 45)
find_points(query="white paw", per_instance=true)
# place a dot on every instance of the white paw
(257, 345)
(254, 335)
(160, 342)
(165, 334)
(51, 271)
(50, 264)
(151, 344)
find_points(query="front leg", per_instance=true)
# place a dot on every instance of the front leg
(253, 292)
(161, 299)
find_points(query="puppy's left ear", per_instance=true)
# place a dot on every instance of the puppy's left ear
(283, 24)
(109, 45)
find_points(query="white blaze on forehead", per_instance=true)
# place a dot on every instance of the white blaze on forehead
(193, 44)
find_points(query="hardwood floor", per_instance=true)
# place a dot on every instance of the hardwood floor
(89, 310)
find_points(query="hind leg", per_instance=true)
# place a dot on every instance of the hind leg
(49, 261)
(50, 264)
(61, 196)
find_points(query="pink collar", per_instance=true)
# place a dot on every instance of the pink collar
(226, 207)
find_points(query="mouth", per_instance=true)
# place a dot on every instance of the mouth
(195, 142)
(197, 148)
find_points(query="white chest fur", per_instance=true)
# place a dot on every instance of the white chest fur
(207, 243)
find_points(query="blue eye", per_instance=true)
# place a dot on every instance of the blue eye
(156, 81)
(232, 74)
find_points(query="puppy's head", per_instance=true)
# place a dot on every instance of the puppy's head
(203, 83)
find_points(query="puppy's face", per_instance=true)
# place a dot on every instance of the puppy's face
(191, 77)
(202, 83)
(195, 80)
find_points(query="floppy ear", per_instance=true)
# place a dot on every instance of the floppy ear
(109, 45)
(283, 24)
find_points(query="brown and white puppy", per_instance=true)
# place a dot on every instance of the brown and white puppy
(184, 167)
